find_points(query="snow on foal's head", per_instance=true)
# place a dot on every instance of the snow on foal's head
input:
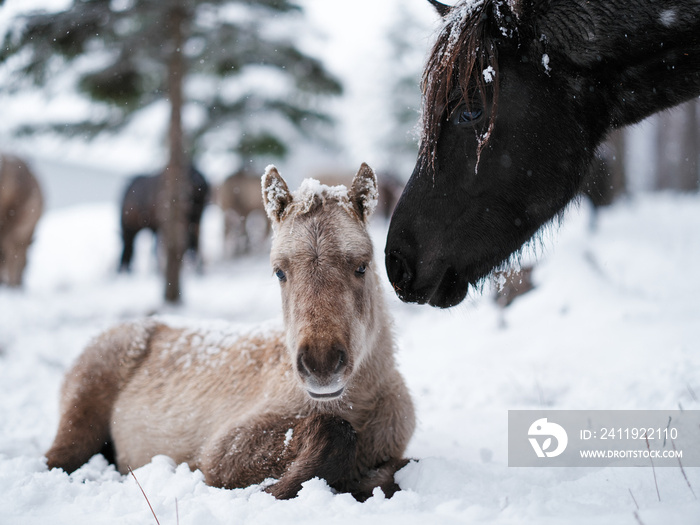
(322, 256)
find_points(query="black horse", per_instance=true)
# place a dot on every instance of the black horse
(140, 209)
(517, 95)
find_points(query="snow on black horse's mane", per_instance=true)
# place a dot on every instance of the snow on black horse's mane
(517, 95)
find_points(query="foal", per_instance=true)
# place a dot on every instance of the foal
(320, 396)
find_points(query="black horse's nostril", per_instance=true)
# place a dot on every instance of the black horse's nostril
(399, 272)
(450, 291)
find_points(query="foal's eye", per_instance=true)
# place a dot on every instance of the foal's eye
(464, 116)
(361, 270)
(281, 275)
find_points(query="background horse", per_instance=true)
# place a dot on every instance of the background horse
(390, 187)
(321, 397)
(21, 204)
(239, 199)
(141, 209)
(517, 95)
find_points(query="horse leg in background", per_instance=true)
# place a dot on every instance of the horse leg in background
(245, 235)
(15, 263)
(3, 273)
(235, 234)
(290, 449)
(160, 252)
(128, 236)
(15, 238)
(242, 238)
(193, 246)
(230, 219)
(14, 251)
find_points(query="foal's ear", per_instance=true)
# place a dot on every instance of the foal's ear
(364, 194)
(275, 193)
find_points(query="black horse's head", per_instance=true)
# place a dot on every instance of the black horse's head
(517, 94)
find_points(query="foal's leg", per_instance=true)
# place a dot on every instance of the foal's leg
(327, 448)
(292, 450)
(381, 476)
(89, 391)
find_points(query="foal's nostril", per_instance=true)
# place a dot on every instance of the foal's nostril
(301, 366)
(399, 272)
(342, 361)
(321, 363)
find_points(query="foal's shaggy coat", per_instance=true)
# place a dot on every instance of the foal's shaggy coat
(319, 397)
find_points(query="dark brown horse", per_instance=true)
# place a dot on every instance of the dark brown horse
(21, 204)
(141, 209)
(517, 95)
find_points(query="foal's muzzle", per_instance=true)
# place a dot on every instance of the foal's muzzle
(323, 369)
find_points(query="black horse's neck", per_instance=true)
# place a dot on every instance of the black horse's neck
(643, 56)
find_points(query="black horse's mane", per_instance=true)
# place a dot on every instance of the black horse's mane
(454, 74)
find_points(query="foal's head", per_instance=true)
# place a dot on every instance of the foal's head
(322, 256)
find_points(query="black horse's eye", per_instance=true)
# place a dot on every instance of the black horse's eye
(281, 275)
(361, 270)
(465, 116)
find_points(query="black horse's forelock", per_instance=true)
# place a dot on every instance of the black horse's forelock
(454, 73)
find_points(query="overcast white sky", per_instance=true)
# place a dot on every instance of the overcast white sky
(356, 50)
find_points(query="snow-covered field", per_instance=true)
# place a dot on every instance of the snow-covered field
(614, 323)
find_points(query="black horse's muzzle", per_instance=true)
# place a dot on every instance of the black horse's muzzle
(413, 283)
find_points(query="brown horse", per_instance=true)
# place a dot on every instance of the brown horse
(239, 199)
(320, 396)
(21, 204)
(389, 186)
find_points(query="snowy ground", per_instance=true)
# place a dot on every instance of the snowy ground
(612, 324)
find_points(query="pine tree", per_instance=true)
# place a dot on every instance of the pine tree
(130, 54)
